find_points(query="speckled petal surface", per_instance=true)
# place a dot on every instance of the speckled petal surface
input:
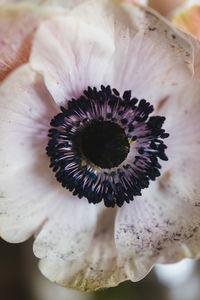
(163, 225)
(129, 47)
(88, 51)
(157, 228)
(100, 267)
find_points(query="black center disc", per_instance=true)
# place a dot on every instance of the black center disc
(104, 143)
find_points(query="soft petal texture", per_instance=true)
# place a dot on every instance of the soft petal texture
(17, 26)
(196, 46)
(101, 266)
(62, 3)
(76, 241)
(163, 225)
(182, 112)
(189, 20)
(88, 49)
(31, 198)
(140, 2)
(158, 228)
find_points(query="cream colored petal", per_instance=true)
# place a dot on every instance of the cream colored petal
(68, 232)
(30, 194)
(100, 267)
(122, 45)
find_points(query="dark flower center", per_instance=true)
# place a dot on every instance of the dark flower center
(106, 147)
(104, 143)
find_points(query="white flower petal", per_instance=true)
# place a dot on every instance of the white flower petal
(68, 232)
(182, 175)
(74, 62)
(30, 194)
(24, 117)
(152, 229)
(163, 225)
(157, 228)
(196, 45)
(123, 45)
(100, 267)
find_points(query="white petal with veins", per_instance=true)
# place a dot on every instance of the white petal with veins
(81, 245)
(157, 228)
(181, 175)
(30, 194)
(163, 225)
(95, 44)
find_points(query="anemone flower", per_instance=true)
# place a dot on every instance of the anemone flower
(100, 141)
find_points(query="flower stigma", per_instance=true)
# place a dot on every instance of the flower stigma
(106, 147)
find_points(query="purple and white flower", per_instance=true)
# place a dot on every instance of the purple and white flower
(107, 97)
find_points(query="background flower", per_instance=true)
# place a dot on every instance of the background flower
(165, 7)
(187, 18)
(128, 47)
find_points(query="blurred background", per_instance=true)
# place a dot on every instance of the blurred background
(20, 279)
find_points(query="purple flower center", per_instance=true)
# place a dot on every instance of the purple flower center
(106, 147)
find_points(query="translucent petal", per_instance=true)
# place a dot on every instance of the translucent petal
(157, 228)
(17, 26)
(123, 45)
(181, 174)
(30, 194)
(100, 267)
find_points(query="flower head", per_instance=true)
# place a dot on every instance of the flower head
(100, 144)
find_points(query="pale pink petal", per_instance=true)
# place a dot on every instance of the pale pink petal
(182, 173)
(17, 26)
(24, 117)
(122, 45)
(30, 194)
